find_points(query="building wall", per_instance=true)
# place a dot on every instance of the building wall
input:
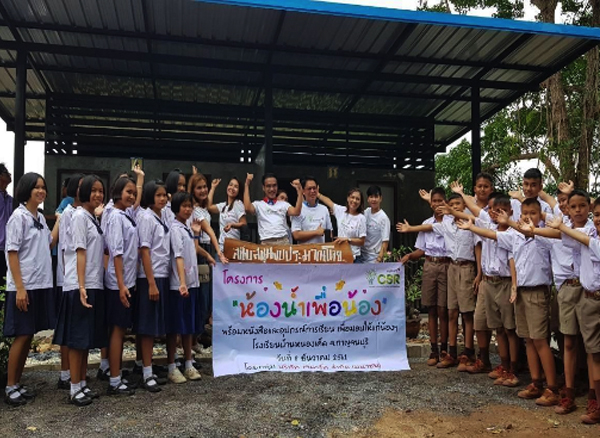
(409, 205)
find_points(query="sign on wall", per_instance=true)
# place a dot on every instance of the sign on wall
(293, 318)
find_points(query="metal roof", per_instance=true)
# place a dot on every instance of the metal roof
(350, 84)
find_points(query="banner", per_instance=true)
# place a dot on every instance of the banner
(247, 252)
(293, 318)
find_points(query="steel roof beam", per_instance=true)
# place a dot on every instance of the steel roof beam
(265, 47)
(255, 67)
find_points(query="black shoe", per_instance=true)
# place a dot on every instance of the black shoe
(137, 369)
(197, 365)
(80, 401)
(161, 380)
(28, 394)
(122, 389)
(160, 370)
(103, 375)
(151, 388)
(14, 401)
(89, 393)
(132, 382)
(63, 384)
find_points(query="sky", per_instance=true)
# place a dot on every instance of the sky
(34, 151)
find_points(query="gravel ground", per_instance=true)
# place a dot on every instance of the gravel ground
(259, 405)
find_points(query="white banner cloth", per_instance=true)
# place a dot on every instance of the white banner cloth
(292, 318)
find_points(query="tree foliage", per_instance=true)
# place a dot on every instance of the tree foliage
(558, 126)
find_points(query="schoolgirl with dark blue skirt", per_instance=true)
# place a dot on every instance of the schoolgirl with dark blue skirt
(64, 381)
(81, 321)
(30, 297)
(153, 276)
(120, 277)
(183, 316)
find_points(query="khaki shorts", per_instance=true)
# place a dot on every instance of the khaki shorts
(532, 312)
(480, 318)
(568, 298)
(500, 311)
(588, 313)
(460, 287)
(554, 312)
(434, 287)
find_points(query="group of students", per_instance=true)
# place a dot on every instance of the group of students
(493, 259)
(134, 264)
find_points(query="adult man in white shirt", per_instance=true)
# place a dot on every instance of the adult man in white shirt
(270, 212)
(314, 221)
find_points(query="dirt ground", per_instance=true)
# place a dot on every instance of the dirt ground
(424, 402)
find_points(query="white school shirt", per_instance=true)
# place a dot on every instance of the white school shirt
(561, 255)
(182, 245)
(168, 215)
(227, 217)
(494, 259)
(431, 243)
(85, 234)
(311, 218)
(351, 226)
(64, 230)
(590, 264)
(460, 244)
(378, 231)
(153, 233)
(121, 239)
(531, 256)
(272, 219)
(576, 247)
(516, 208)
(30, 237)
(202, 214)
(109, 208)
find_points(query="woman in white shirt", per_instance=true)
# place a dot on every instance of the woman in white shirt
(351, 222)
(232, 215)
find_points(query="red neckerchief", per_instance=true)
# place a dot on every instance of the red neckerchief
(270, 201)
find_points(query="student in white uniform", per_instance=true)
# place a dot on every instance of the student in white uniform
(120, 277)
(29, 296)
(183, 315)
(232, 215)
(153, 276)
(81, 322)
(351, 222)
(378, 228)
(271, 214)
(314, 220)
(63, 232)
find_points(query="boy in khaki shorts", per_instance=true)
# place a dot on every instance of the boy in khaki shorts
(587, 308)
(463, 276)
(531, 256)
(435, 277)
(495, 290)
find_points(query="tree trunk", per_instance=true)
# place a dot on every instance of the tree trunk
(590, 107)
(558, 126)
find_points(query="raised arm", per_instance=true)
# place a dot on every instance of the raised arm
(550, 200)
(247, 202)
(457, 187)
(295, 211)
(483, 232)
(211, 207)
(326, 201)
(139, 185)
(558, 224)
(407, 228)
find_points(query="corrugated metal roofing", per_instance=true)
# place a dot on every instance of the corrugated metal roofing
(336, 65)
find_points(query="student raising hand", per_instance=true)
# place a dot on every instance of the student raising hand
(457, 187)
(566, 188)
(554, 221)
(425, 195)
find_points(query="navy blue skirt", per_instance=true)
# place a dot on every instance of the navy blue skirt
(40, 315)
(81, 328)
(183, 316)
(149, 316)
(57, 298)
(116, 313)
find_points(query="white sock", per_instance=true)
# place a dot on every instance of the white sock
(65, 375)
(188, 364)
(104, 364)
(75, 387)
(115, 381)
(14, 394)
(172, 367)
(176, 356)
(147, 372)
(83, 384)
(139, 363)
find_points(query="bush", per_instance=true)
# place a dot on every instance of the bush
(4, 342)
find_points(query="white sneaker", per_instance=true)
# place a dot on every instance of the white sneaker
(192, 374)
(207, 351)
(176, 377)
